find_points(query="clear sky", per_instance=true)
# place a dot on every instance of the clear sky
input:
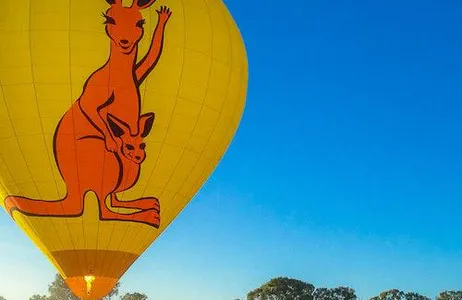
(346, 169)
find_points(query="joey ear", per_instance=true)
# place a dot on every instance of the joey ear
(142, 4)
(117, 126)
(145, 124)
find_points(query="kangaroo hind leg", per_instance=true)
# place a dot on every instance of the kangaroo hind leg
(149, 216)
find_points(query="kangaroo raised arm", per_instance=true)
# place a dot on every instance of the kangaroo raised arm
(149, 61)
(114, 87)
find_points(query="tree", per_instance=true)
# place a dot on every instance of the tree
(113, 293)
(338, 293)
(344, 293)
(321, 293)
(415, 296)
(1, 298)
(38, 297)
(395, 294)
(450, 295)
(59, 290)
(283, 288)
(134, 296)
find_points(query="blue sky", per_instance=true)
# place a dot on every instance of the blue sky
(346, 169)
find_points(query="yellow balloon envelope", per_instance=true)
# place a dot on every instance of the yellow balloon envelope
(112, 116)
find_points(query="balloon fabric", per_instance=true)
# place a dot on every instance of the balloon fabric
(113, 114)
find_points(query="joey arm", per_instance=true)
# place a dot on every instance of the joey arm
(91, 110)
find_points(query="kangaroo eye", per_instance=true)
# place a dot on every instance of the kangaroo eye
(140, 23)
(130, 147)
(142, 146)
(109, 20)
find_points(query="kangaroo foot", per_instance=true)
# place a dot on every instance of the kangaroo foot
(150, 217)
(142, 203)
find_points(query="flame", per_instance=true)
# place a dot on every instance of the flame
(89, 279)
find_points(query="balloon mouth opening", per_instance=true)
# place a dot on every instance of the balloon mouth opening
(90, 287)
(95, 279)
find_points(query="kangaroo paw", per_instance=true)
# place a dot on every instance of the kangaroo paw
(150, 217)
(142, 203)
(148, 203)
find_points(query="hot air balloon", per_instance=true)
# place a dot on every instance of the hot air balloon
(113, 114)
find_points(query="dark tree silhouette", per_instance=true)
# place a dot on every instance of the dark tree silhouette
(415, 296)
(283, 288)
(338, 293)
(450, 295)
(38, 297)
(393, 294)
(396, 294)
(134, 296)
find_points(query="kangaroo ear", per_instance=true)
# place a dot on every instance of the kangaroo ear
(114, 2)
(117, 126)
(146, 122)
(142, 4)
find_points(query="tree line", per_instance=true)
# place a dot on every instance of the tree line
(280, 288)
(283, 288)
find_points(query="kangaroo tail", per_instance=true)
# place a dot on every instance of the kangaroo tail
(32, 207)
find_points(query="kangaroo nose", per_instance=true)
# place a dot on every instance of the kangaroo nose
(124, 42)
(138, 157)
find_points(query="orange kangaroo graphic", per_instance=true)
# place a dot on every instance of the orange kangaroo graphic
(98, 143)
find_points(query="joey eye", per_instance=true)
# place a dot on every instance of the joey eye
(140, 23)
(142, 146)
(109, 20)
(130, 147)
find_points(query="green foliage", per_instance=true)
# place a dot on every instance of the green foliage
(134, 296)
(280, 288)
(415, 296)
(393, 294)
(283, 288)
(59, 290)
(321, 293)
(450, 295)
(396, 294)
(1, 298)
(38, 297)
(338, 293)
(113, 293)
